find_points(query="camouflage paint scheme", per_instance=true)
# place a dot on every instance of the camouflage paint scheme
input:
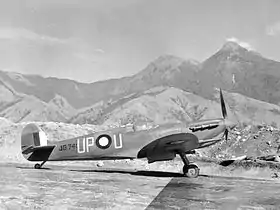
(159, 143)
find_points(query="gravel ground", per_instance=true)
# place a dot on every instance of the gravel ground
(133, 185)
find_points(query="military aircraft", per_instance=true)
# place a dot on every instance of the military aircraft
(159, 143)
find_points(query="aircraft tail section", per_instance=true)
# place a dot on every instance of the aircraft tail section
(34, 143)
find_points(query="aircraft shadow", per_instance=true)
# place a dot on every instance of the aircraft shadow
(226, 162)
(137, 173)
(143, 173)
(148, 173)
(26, 167)
(166, 174)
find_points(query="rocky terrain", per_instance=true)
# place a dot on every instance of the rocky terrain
(251, 141)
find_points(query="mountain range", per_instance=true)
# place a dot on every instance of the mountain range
(168, 89)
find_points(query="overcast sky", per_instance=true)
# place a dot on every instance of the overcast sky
(90, 40)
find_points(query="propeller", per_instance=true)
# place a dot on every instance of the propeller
(223, 105)
(226, 134)
(224, 113)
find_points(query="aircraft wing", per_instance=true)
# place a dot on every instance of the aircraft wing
(165, 148)
(180, 142)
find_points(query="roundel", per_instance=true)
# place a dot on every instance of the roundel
(104, 141)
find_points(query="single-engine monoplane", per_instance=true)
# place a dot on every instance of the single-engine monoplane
(159, 143)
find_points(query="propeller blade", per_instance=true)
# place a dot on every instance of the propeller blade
(223, 106)
(226, 134)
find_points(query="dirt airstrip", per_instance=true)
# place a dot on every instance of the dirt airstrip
(135, 185)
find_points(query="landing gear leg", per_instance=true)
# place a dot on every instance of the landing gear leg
(190, 169)
(38, 166)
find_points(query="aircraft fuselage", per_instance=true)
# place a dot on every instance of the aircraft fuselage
(125, 143)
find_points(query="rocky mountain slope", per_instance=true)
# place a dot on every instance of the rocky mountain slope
(168, 104)
(19, 107)
(157, 105)
(236, 69)
(161, 92)
(228, 68)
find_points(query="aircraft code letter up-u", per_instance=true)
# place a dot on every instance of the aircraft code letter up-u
(83, 144)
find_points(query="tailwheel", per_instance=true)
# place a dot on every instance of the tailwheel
(37, 166)
(191, 170)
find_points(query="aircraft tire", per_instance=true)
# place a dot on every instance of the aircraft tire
(191, 171)
(37, 166)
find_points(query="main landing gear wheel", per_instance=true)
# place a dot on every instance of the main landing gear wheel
(191, 171)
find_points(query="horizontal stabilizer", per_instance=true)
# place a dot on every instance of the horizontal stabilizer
(40, 153)
(31, 148)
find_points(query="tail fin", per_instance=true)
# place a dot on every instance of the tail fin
(34, 143)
